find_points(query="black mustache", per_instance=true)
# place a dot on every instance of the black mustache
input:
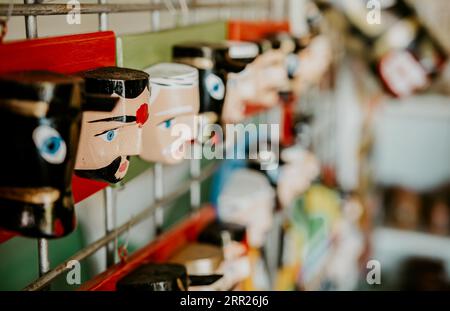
(106, 174)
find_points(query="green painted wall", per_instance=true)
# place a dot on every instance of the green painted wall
(142, 50)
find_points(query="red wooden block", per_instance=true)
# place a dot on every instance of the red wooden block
(160, 250)
(64, 54)
(254, 30)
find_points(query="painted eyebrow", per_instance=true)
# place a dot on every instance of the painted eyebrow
(123, 119)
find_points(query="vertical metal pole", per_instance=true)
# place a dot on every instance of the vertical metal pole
(158, 171)
(108, 192)
(110, 202)
(195, 172)
(31, 23)
(110, 223)
(44, 262)
(156, 18)
(102, 18)
(159, 193)
(195, 166)
(43, 258)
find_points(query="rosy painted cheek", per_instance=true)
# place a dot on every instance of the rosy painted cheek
(142, 115)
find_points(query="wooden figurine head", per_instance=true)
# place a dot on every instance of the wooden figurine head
(116, 109)
(175, 101)
(211, 61)
(258, 84)
(40, 126)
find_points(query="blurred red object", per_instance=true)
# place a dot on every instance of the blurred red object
(255, 30)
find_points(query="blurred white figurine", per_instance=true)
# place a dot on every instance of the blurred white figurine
(248, 199)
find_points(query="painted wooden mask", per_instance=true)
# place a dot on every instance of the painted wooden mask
(210, 59)
(174, 105)
(258, 84)
(289, 46)
(116, 109)
(307, 58)
(40, 126)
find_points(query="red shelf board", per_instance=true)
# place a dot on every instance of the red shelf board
(160, 250)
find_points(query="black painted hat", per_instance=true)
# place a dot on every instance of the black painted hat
(155, 278)
(27, 92)
(207, 55)
(105, 81)
(213, 233)
(207, 50)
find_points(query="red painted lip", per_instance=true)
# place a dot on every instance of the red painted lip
(123, 167)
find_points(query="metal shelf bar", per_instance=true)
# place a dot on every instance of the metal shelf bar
(92, 8)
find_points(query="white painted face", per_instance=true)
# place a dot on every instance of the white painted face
(174, 105)
(313, 62)
(248, 199)
(258, 85)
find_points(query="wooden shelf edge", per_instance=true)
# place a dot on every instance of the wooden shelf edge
(159, 250)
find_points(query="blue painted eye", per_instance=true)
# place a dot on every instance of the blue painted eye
(52, 145)
(109, 136)
(215, 87)
(49, 143)
(167, 124)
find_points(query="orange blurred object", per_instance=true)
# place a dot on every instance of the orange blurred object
(255, 30)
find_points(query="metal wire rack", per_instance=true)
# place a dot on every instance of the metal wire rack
(31, 9)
